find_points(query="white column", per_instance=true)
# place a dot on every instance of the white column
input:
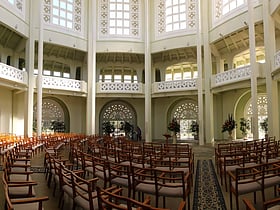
(148, 118)
(199, 79)
(209, 122)
(40, 71)
(271, 85)
(91, 68)
(29, 96)
(253, 66)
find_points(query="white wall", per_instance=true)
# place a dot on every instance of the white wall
(5, 111)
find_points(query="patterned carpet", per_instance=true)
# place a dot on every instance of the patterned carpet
(207, 191)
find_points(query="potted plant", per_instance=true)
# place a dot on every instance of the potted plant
(128, 128)
(108, 128)
(264, 126)
(244, 126)
(229, 125)
(194, 128)
(174, 127)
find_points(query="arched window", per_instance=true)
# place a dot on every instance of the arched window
(262, 112)
(118, 113)
(52, 113)
(185, 112)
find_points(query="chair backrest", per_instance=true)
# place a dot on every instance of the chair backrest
(83, 190)
(112, 199)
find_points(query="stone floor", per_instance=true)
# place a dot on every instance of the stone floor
(200, 152)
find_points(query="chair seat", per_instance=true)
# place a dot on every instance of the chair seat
(271, 181)
(175, 190)
(146, 188)
(27, 206)
(84, 204)
(247, 187)
(20, 192)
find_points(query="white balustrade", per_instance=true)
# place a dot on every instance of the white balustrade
(13, 74)
(63, 84)
(231, 76)
(177, 85)
(119, 87)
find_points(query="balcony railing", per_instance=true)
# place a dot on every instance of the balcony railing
(118, 87)
(13, 74)
(64, 84)
(230, 76)
(177, 85)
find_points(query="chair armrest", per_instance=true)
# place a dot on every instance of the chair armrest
(147, 200)
(182, 205)
(248, 204)
(21, 172)
(21, 183)
(271, 202)
(231, 175)
(29, 200)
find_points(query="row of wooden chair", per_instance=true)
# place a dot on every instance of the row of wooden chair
(230, 156)
(83, 192)
(251, 179)
(18, 184)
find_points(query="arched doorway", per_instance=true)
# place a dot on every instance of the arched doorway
(118, 113)
(55, 116)
(185, 112)
(262, 113)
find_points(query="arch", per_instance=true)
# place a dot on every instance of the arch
(243, 108)
(262, 111)
(117, 112)
(184, 111)
(53, 109)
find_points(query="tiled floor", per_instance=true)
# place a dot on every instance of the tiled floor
(200, 152)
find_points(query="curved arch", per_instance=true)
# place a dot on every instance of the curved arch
(184, 111)
(117, 112)
(53, 109)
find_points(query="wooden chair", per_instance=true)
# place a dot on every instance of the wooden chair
(273, 204)
(66, 184)
(84, 193)
(173, 184)
(101, 169)
(113, 199)
(144, 182)
(32, 203)
(18, 189)
(120, 175)
(243, 181)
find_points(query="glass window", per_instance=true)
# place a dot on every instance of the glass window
(64, 14)
(47, 72)
(119, 19)
(56, 73)
(175, 15)
(107, 78)
(66, 75)
(117, 78)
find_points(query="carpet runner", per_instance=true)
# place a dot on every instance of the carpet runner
(207, 191)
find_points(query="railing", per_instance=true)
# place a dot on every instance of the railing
(117, 87)
(231, 76)
(177, 85)
(66, 84)
(13, 74)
